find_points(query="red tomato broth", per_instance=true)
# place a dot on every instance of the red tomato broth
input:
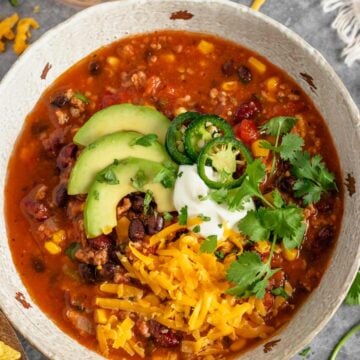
(166, 85)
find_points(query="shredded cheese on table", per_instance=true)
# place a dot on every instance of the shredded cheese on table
(187, 294)
(257, 4)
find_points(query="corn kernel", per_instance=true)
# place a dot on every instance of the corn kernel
(262, 246)
(229, 85)
(257, 65)
(272, 83)
(289, 254)
(257, 4)
(113, 61)
(168, 57)
(206, 47)
(101, 316)
(58, 237)
(258, 150)
(180, 110)
(52, 248)
(288, 288)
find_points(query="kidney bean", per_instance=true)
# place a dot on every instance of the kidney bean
(66, 156)
(60, 101)
(164, 336)
(60, 196)
(94, 67)
(33, 205)
(100, 242)
(248, 110)
(154, 223)
(324, 238)
(136, 230)
(244, 74)
(326, 203)
(286, 184)
(137, 204)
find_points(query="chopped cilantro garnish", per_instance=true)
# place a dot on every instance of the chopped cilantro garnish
(139, 180)
(180, 174)
(220, 255)
(166, 177)
(167, 216)
(147, 200)
(107, 176)
(146, 140)
(209, 244)
(82, 97)
(280, 292)
(305, 352)
(72, 249)
(204, 218)
(196, 229)
(353, 296)
(183, 215)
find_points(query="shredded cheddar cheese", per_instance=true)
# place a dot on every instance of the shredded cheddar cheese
(8, 353)
(23, 33)
(188, 294)
(257, 4)
(6, 29)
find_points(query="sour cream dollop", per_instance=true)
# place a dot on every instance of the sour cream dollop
(189, 187)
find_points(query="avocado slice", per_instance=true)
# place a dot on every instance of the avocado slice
(104, 151)
(114, 183)
(123, 117)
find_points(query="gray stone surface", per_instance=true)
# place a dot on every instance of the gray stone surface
(307, 19)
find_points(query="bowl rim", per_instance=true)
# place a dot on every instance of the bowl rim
(294, 37)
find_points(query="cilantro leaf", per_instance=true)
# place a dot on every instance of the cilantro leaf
(296, 239)
(82, 97)
(313, 178)
(246, 272)
(71, 250)
(305, 352)
(254, 175)
(146, 140)
(219, 195)
(251, 226)
(278, 200)
(290, 144)
(280, 292)
(167, 216)
(279, 125)
(147, 200)
(220, 255)
(209, 244)
(107, 176)
(204, 218)
(139, 180)
(353, 296)
(183, 215)
(166, 177)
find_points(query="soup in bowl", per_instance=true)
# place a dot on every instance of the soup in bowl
(175, 194)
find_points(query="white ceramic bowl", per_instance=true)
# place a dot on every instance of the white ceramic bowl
(71, 41)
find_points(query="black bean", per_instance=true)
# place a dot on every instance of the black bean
(94, 67)
(106, 272)
(100, 242)
(87, 272)
(66, 155)
(286, 184)
(154, 223)
(228, 68)
(37, 264)
(137, 204)
(244, 74)
(136, 230)
(60, 101)
(324, 237)
(60, 196)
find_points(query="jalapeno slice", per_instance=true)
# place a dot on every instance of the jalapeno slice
(203, 130)
(175, 137)
(222, 162)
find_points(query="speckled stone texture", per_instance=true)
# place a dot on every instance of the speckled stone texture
(306, 18)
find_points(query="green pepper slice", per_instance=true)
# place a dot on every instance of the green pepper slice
(228, 158)
(175, 137)
(203, 130)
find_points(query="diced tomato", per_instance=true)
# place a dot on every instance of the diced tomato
(247, 131)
